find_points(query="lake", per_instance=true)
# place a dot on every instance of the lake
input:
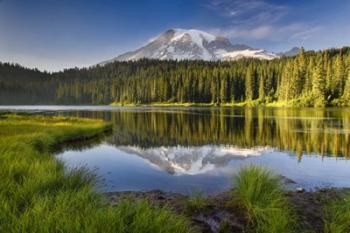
(200, 149)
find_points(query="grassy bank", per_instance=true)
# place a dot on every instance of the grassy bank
(268, 208)
(38, 195)
(337, 215)
(254, 103)
(258, 204)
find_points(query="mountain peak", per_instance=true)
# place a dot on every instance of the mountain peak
(290, 53)
(192, 44)
(195, 34)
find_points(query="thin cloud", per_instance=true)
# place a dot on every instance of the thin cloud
(270, 32)
(248, 12)
(258, 20)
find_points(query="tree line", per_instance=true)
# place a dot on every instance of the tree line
(309, 79)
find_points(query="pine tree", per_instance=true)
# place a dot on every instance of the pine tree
(318, 86)
(214, 91)
(346, 95)
(339, 77)
(262, 86)
(249, 86)
(223, 90)
(329, 79)
(309, 75)
(296, 83)
(301, 70)
(284, 87)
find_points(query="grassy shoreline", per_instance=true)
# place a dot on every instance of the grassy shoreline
(259, 209)
(253, 103)
(37, 193)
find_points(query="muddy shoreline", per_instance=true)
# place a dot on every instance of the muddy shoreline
(222, 209)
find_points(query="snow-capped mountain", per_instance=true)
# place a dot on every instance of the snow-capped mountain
(181, 44)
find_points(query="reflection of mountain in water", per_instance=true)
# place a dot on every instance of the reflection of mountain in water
(192, 160)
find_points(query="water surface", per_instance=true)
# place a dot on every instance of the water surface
(201, 149)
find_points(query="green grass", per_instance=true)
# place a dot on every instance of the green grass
(337, 216)
(260, 194)
(196, 202)
(38, 195)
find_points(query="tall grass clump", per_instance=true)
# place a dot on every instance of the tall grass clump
(38, 195)
(337, 216)
(196, 202)
(260, 193)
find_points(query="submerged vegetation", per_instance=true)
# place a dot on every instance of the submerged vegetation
(261, 194)
(38, 195)
(311, 78)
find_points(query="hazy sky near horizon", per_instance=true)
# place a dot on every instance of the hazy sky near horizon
(56, 34)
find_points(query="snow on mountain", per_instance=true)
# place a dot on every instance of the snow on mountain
(181, 44)
(248, 53)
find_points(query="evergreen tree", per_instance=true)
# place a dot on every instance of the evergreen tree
(309, 75)
(329, 79)
(301, 70)
(214, 91)
(339, 76)
(284, 87)
(262, 86)
(318, 86)
(296, 81)
(223, 86)
(249, 84)
(346, 95)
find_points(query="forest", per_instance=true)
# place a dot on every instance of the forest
(312, 78)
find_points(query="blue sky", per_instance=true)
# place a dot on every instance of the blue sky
(56, 34)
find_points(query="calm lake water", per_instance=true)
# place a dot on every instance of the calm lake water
(201, 149)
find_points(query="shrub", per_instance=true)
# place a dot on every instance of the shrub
(260, 193)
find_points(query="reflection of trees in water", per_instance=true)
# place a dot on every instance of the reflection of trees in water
(321, 131)
(81, 144)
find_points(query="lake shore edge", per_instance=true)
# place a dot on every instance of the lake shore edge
(309, 207)
(39, 194)
(254, 103)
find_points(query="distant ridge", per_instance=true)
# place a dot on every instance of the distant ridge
(292, 52)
